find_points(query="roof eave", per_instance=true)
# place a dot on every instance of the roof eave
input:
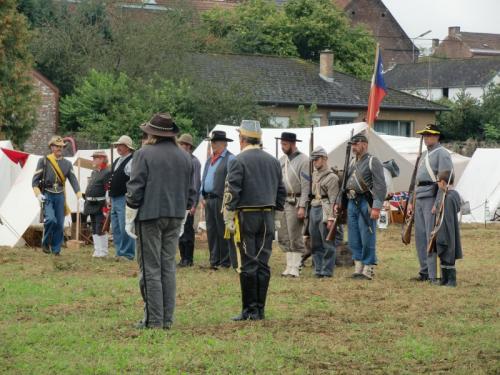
(339, 105)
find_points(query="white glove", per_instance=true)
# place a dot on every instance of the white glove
(229, 221)
(184, 223)
(41, 198)
(130, 215)
(278, 215)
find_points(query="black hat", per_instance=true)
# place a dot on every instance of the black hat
(430, 129)
(289, 137)
(161, 125)
(219, 135)
(359, 138)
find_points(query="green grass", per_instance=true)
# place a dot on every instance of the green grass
(75, 315)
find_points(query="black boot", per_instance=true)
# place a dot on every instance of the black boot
(248, 298)
(452, 277)
(263, 278)
(444, 276)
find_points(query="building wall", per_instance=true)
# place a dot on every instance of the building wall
(419, 119)
(46, 115)
(437, 93)
(453, 48)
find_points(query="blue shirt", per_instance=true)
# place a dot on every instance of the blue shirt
(208, 183)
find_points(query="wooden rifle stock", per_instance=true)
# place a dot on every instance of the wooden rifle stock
(409, 218)
(337, 216)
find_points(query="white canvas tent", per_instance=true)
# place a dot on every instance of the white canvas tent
(8, 171)
(20, 208)
(332, 138)
(480, 185)
(408, 148)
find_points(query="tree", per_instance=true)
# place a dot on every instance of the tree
(464, 121)
(38, 12)
(301, 28)
(491, 113)
(17, 112)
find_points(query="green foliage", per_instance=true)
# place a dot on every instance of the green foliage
(491, 113)
(17, 115)
(304, 117)
(38, 12)
(301, 28)
(104, 106)
(464, 121)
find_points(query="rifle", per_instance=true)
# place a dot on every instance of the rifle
(41, 186)
(342, 211)
(305, 231)
(431, 246)
(107, 221)
(409, 219)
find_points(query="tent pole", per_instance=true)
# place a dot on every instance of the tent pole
(78, 210)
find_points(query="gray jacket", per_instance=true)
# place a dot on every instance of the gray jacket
(439, 160)
(160, 182)
(254, 180)
(52, 184)
(196, 180)
(295, 169)
(366, 175)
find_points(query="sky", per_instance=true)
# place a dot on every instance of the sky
(418, 16)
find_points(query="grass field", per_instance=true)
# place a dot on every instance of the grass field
(75, 315)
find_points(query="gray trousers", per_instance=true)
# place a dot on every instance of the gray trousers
(424, 222)
(290, 235)
(156, 248)
(222, 252)
(323, 251)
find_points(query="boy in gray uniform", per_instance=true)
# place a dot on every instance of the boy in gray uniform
(434, 160)
(325, 189)
(49, 183)
(366, 191)
(295, 170)
(158, 197)
(254, 192)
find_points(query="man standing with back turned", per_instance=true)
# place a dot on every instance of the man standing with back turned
(254, 194)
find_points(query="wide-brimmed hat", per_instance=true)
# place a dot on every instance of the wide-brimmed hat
(289, 137)
(219, 135)
(126, 141)
(56, 140)
(430, 129)
(186, 138)
(318, 152)
(359, 138)
(161, 125)
(99, 154)
(250, 128)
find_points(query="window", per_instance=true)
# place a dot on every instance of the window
(446, 92)
(280, 121)
(339, 118)
(394, 127)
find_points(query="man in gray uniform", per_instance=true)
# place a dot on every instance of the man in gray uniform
(158, 195)
(325, 189)
(49, 182)
(366, 191)
(254, 192)
(295, 170)
(434, 160)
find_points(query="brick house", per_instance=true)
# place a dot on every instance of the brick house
(434, 80)
(47, 115)
(460, 44)
(282, 84)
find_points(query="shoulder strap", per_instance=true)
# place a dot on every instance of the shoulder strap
(428, 167)
(59, 174)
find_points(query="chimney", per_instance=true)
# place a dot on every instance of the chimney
(326, 65)
(453, 30)
(435, 43)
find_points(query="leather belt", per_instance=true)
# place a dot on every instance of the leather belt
(256, 209)
(210, 196)
(293, 195)
(426, 183)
